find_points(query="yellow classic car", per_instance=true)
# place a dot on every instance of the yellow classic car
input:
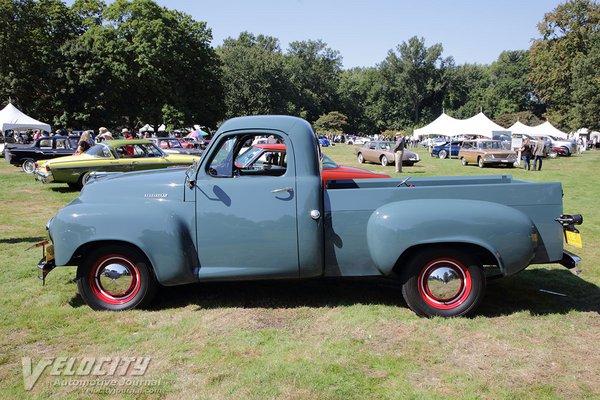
(108, 156)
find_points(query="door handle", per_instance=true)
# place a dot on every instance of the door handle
(287, 189)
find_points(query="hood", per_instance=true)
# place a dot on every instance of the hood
(136, 187)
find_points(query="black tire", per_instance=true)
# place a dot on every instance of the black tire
(74, 186)
(464, 161)
(442, 154)
(384, 161)
(480, 162)
(28, 166)
(429, 296)
(567, 151)
(99, 272)
(360, 158)
(84, 179)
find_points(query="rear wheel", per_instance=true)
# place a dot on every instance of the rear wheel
(384, 161)
(463, 161)
(443, 282)
(28, 166)
(442, 154)
(116, 277)
(360, 158)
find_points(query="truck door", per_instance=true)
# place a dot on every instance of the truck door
(246, 223)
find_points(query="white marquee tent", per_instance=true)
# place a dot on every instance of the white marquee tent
(540, 130)
(445, 125)
(12, 118)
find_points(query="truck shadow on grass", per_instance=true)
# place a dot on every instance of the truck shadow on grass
(504, 297)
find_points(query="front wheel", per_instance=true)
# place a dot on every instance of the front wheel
(384, 161)
(442, 154)
(443, 282)
(28, 166)
(463, 161)
(480, 162)
(117, 278)
(360, 158)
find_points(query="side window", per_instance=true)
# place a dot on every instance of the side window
(60, 144)
(244, 156)
(46, 144)
(372, 145)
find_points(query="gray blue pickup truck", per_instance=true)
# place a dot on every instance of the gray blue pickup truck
(440, 237)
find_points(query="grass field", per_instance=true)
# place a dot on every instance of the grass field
(309, 339)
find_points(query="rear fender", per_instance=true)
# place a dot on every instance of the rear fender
(506, 233)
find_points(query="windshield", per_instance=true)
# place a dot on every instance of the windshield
(490, 145)
(99, 150)
(328, 163)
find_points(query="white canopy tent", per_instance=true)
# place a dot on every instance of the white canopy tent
(480, 125)
(444, 125)
(540, 130)
(149, 128)
(12, 118)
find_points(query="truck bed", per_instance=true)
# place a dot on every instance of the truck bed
(349, 206)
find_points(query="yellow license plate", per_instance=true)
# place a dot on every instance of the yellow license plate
(49, 252)
(574, 239)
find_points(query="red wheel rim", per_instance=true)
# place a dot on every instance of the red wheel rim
(444, 283)
(114, 279)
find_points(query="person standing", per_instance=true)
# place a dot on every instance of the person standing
(399, 151)
(84, 143)
(526, 154)
(538, 154)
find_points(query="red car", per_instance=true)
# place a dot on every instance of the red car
(273, 154)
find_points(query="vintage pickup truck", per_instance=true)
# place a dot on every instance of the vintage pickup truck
(441, 237)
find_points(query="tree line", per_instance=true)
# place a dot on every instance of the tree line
(133, 62)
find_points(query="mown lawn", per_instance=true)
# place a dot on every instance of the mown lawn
(311, 339)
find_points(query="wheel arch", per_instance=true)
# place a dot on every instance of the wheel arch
(484, 255)
(498, 234)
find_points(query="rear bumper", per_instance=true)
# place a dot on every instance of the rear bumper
(43, 177)
(569, 261)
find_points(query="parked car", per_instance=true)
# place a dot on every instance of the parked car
(264, 155)
(43, 148)
(569, 146)
(193, 143)
(451, 148)
(486, 152)
(357, 140)
(382, 152)
(323, 141)
(108, 156)
(171, 145)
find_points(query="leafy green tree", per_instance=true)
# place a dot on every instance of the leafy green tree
(333, 122)
(586, 87)
(314, 70)
(254, 76)
(30, 40)
(162, 57)
(569, 34)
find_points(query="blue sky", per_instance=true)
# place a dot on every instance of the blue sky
(471, 31)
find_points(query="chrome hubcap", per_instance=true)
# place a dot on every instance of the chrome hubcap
(444, 283)
(115, 278)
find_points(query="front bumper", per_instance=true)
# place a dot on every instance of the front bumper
(43, 177)
(47, 263)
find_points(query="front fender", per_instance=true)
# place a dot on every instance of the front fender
(505, 232)
(162, 234)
